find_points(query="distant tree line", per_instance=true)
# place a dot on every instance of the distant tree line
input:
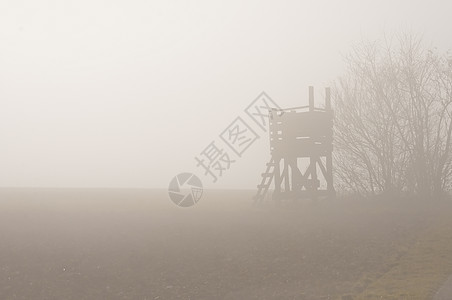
(393, 119)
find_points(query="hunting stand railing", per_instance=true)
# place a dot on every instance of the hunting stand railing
(301, 138)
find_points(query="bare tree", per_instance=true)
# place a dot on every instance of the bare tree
(394, 119)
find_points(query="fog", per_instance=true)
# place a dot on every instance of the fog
(126, 94)
(133, 135)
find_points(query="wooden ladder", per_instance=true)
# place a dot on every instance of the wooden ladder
(267, 178)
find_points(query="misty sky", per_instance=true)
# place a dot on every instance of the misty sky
(127, 93)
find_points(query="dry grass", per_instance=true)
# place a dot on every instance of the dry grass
(419, 272)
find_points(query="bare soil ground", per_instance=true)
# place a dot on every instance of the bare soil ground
(136, 244)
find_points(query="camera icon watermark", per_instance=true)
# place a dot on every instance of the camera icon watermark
(185, 189)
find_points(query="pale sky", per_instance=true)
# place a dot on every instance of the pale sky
(127, 93)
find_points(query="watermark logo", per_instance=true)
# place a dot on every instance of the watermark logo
(230, 145)
(259, 108)
(239, 136)
(185, 189)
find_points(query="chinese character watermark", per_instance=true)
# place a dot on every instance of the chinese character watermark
(239, 136)
(215, 160)
(259, 108)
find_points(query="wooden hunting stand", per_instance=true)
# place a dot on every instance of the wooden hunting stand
(300, 138)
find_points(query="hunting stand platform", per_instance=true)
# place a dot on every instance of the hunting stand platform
(301, 138)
